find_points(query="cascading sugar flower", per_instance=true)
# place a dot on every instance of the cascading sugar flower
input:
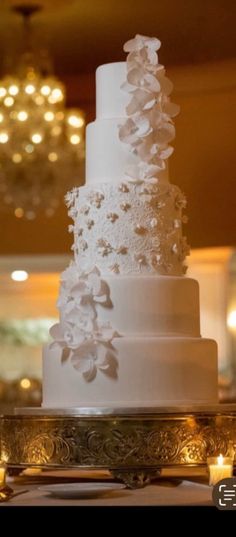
(148, 129)
(80, 335)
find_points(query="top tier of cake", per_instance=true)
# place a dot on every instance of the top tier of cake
(107, 157)
(111, 100)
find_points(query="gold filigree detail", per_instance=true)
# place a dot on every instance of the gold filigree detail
(116, 442)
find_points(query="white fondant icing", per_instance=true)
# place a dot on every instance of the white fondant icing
(151, 372)
(107, 157)
(111, 100)
(152, 306)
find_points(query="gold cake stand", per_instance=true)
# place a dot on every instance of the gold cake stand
(134, 444)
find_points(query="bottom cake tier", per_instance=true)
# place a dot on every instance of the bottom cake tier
(150, 372)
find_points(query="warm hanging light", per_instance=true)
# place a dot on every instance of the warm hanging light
(41, 141)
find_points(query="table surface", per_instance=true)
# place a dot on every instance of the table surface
(163, 492)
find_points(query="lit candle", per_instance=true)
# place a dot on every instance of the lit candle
(219, 468)
(2, 474)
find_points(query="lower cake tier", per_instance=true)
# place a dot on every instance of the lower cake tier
(150, 372)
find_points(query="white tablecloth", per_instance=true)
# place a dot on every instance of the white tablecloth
(161, 493)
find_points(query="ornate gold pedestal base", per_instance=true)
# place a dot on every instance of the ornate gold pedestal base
(134, 444)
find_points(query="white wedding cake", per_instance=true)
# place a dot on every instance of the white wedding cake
(129, 333)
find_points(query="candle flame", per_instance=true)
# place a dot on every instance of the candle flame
(220, 460)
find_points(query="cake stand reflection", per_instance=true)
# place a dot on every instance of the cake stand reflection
(134, 444)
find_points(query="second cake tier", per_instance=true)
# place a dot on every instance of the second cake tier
(152, 305)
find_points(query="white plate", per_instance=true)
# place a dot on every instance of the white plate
(80, 490)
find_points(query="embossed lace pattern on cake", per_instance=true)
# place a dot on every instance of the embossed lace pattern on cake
(142, 234)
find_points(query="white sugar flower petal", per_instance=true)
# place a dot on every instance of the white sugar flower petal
(149, 102)
(56, 332)
(104, 296)
(129, 88)
(151, 42)
(141, 99)
(170, 108)
(73, 340)
(149, 170)
(94, 282)
(105, 333)
(127, 132)
(87, 309)
(86, 366)
(132, 171)
(80, 288)
(143, 127)
(133, 44)
(83, 360)
(152, 56)
(140, 41)
(134, 60)
(81, 364)
(152, 83)
(142, 59)
(167, 152)
(87, 350)
(59, 345)
(166, 85)
(165, 133)
(152, 180)
(136, 76)
(140, 78)
(145, 150)
(91, 373)
(160, 162)
(102, 355)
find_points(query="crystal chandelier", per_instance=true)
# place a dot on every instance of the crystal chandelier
(41, 141)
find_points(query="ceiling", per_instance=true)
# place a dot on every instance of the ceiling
(82, 34)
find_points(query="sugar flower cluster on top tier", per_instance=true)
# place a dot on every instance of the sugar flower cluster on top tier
(79, 334)
(149, 127)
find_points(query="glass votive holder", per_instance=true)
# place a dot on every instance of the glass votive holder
(219, 468)
(2, 474)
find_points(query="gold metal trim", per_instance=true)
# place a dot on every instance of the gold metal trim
(133, 446)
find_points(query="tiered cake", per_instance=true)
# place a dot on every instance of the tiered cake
(129, 332)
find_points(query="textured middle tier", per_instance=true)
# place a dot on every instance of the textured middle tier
(129, 230)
